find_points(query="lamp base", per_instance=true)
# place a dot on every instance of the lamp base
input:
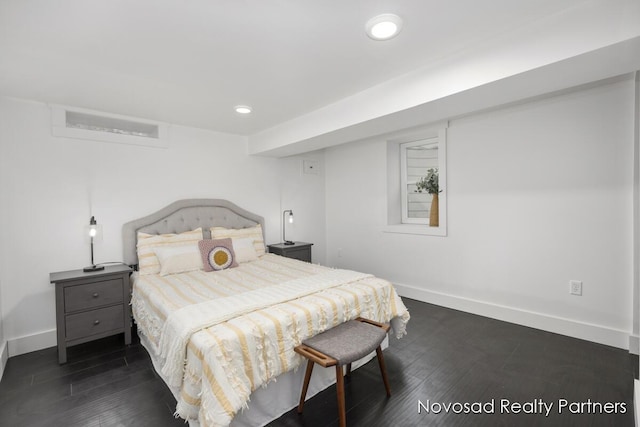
(93, 268)
(289, 242)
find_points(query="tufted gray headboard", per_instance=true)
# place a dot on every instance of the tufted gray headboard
(185, 215)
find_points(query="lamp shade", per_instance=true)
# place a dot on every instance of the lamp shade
(284, 226)
(94, 232)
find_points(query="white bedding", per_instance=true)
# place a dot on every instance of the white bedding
(229, 357)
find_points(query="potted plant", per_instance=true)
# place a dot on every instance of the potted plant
(429, 183)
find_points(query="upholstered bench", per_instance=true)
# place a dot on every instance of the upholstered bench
(342, 345)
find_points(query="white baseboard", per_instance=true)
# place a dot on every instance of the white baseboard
(4, 356)
(634, 344)
(33, 342)
(586, 331)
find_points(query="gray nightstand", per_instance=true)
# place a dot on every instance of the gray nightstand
(91, 305)
(299, 250)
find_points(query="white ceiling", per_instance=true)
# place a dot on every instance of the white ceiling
(190, 62)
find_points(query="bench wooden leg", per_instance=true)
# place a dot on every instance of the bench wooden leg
(316, 356)
(340, 392)
(383, 370)
(305, 386)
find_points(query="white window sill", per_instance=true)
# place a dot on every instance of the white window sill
(419, 229)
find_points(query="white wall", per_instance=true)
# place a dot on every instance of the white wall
(634, 344)
(538, 194)
(49, 188)
(4, 351)
(304, 194)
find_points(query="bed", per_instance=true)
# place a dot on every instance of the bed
(223, 340)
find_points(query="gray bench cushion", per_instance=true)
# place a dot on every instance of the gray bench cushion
(348, 341)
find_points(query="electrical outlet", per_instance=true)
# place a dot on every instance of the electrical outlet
(575, 287)
(339, 252)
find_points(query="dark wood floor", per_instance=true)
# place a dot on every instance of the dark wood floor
(448, 357)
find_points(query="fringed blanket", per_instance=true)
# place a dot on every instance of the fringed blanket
(224, 334)
(183, 323)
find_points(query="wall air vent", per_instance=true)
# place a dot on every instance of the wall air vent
(97, 126)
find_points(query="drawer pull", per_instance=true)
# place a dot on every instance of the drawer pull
(96, 322)
(96, 295)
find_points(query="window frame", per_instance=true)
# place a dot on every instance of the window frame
(397, 222)
(63, 118)
(404, 177)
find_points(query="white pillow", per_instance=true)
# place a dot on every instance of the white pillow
(179, 259)
(147, 243)
(244, 249)
(254, 232)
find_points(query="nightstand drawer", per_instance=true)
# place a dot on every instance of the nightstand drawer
(94, 322)
(303, 254)
(298, 250)
(90, 295)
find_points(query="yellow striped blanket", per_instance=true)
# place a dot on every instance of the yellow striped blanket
(216, 358)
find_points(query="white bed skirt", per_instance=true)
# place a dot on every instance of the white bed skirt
(280, 396)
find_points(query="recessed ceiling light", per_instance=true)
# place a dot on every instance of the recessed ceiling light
(242, 109)
(384, 27)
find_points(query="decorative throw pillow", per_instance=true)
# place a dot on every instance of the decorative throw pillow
(217, 254)
(179, 259)
(255, 233)
(148, 262)
(243, 247)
